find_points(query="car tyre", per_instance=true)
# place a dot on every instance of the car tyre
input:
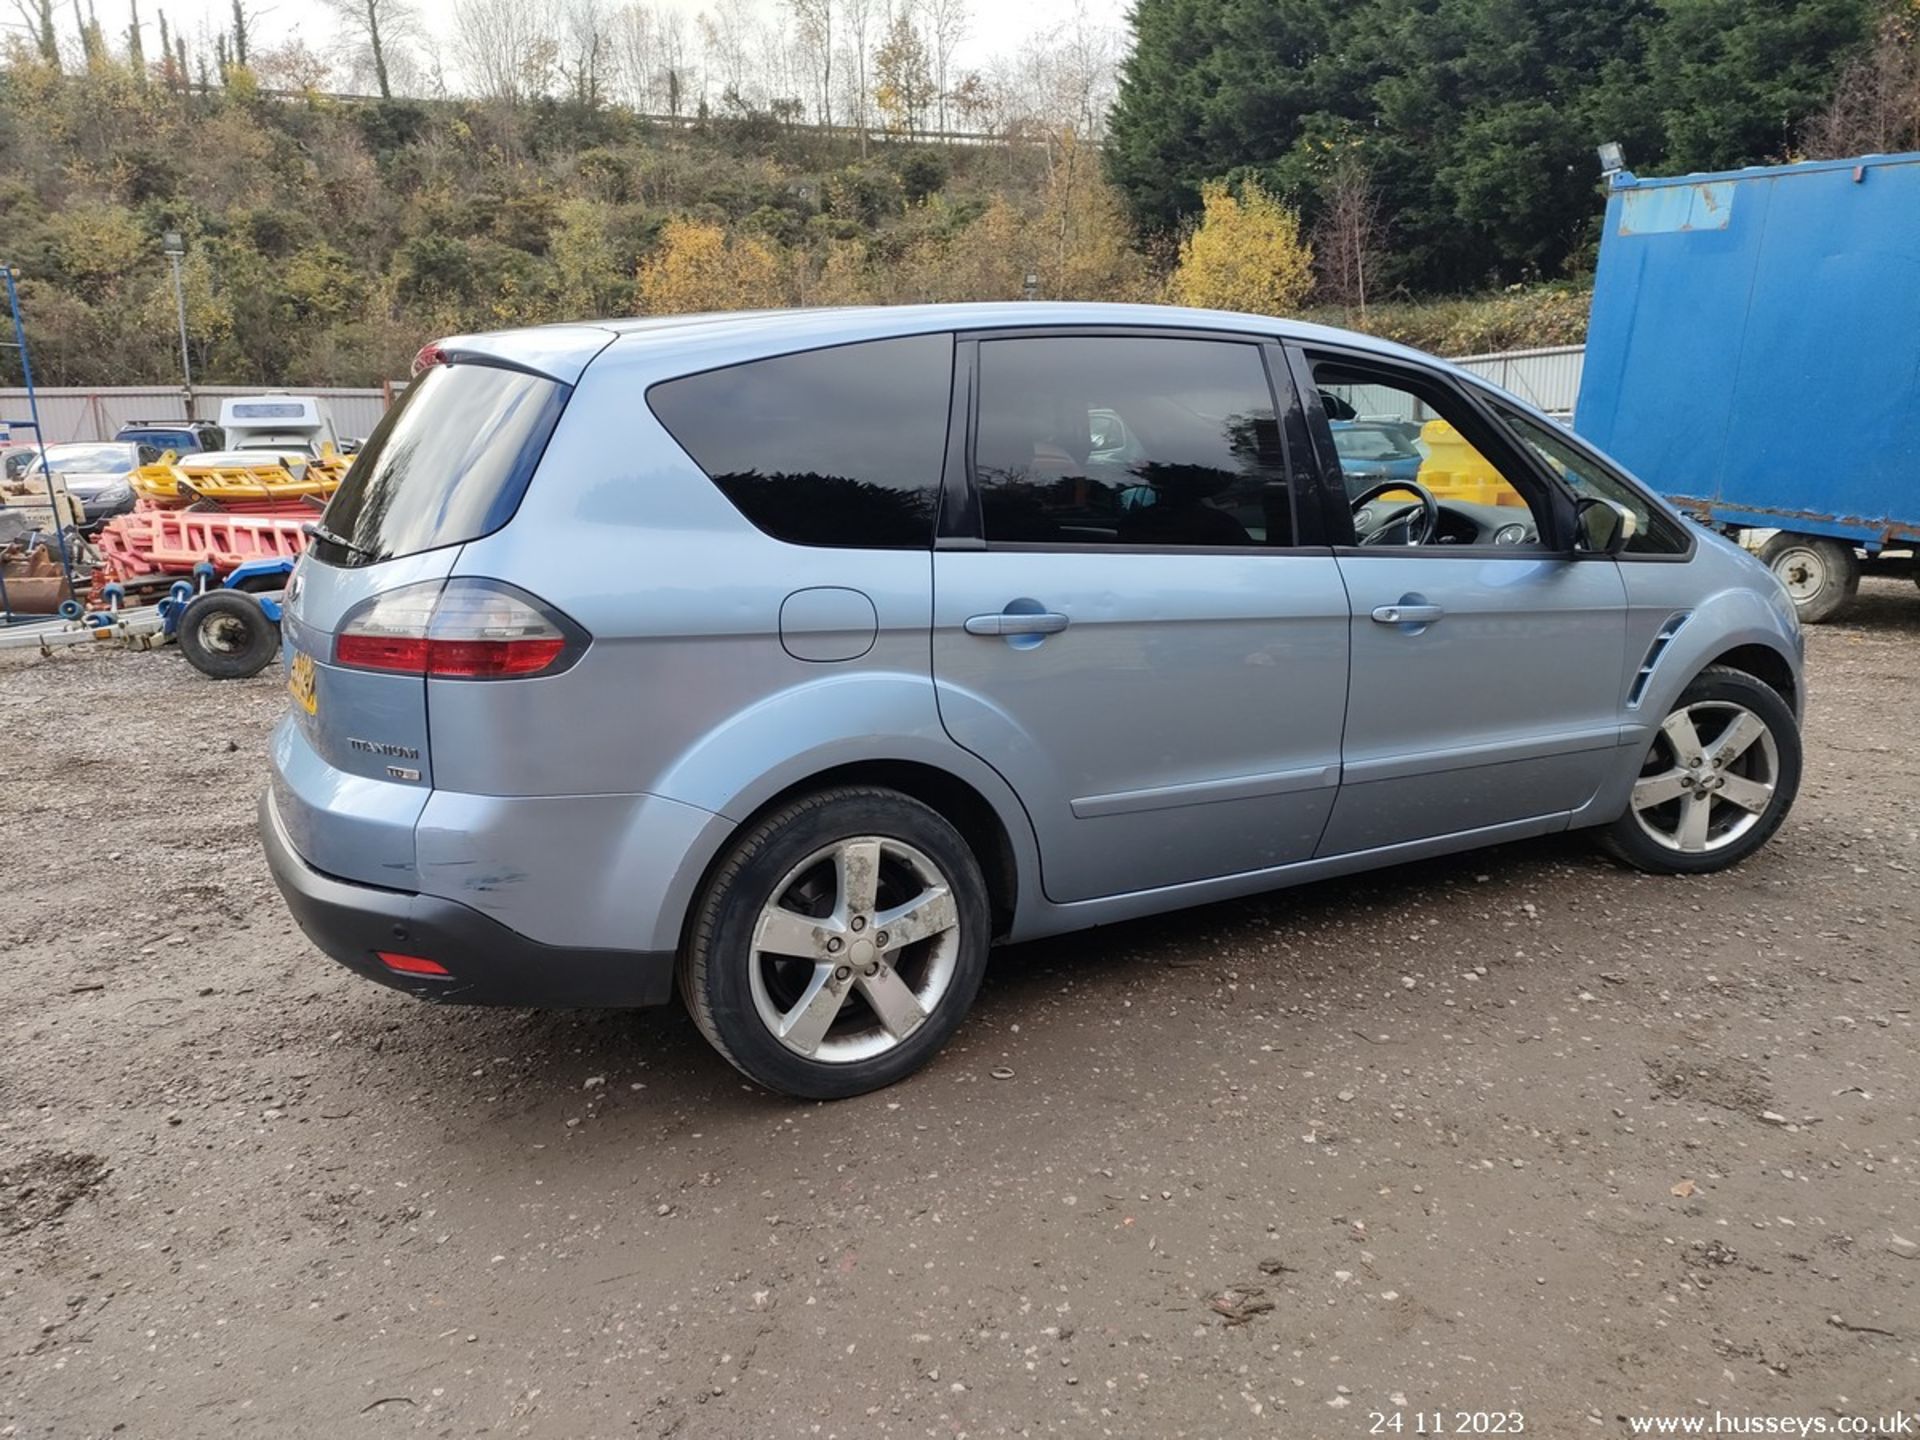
(790, 969)
(1693, 819)
(1821, 575)
(227, 635)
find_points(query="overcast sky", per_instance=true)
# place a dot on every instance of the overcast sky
(998, 26)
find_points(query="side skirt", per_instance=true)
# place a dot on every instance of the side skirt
(1048, 918)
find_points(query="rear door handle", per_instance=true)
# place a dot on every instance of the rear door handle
(1004, 624)
(1407, 614)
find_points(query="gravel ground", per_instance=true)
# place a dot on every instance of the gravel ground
(1518, 1131)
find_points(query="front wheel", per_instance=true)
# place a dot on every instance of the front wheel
(1717, 781)
(839, 944)
(1821, 575)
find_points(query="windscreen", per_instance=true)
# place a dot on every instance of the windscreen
(92, 459)
(447, 464)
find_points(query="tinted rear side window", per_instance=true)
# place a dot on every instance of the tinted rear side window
(829, 447)
(447, 464)
(1129, 440)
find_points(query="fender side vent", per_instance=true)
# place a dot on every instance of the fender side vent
(1654, 652)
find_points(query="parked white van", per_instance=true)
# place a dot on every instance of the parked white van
(296, 423)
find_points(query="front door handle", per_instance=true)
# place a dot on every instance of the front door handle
(1016, 624)
(1407, 614)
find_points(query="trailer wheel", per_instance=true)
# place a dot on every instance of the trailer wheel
(227, 635)
(1821, 575)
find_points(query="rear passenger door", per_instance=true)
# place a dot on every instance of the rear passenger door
(1129, 622)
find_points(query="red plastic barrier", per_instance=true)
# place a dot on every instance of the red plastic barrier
(150, 542)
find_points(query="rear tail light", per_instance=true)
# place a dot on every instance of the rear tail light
(428, 357)
(458, 630)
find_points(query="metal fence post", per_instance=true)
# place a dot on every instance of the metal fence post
(40, 439)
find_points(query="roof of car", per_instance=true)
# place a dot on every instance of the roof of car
(563, 351)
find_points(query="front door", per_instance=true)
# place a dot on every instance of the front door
(1487, 659)
(1134, 635)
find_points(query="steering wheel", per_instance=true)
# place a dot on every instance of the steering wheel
(1420, 528)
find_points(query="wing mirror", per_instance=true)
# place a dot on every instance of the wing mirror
(1602, 527)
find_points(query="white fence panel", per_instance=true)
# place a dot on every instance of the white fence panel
(95, 412)
(1548, 378)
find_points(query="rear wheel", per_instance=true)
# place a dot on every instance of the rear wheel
(1718, 779)
(839, 944)
(1821, 575)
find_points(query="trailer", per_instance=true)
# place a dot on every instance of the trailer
(1754, 354)
(227, 626)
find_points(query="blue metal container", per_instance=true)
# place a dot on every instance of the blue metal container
(1754, 351)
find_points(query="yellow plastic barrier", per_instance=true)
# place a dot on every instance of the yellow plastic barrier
(1454, 470)
(171, 481)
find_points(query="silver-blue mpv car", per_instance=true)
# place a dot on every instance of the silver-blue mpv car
(795, 658)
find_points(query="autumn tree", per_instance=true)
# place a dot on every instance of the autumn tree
(946, 27)
(1876, 103)
(93, 41)
(1246, 254)
(1345, 239)
(36, 18)
(506, 48)
(903, 81)
(674, 80)
(379, 25)
(242, 33)
(813, 20)
(293, 68)
(698, 267)
(136, 47)
(1083, 248)
(589, 54)
(633, 39)
(725, 33)
(588, 279)
(169, 76)
(857, 27)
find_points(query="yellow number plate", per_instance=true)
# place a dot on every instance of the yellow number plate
(300, 682)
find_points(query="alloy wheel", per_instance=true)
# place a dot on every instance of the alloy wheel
(857, 947)
(1708, 779)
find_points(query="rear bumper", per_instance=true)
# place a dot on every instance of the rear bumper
(489, 963)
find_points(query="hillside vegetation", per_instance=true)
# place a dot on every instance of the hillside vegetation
(1370, 179)
(326, 240)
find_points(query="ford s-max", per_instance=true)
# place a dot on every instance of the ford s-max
(790, 660)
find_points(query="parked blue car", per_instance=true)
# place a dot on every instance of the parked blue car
(790, 660)
(1374, 450)
(183, 437)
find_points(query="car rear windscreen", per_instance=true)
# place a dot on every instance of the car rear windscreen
(447, 464)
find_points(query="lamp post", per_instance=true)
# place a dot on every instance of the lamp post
(176, 247)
